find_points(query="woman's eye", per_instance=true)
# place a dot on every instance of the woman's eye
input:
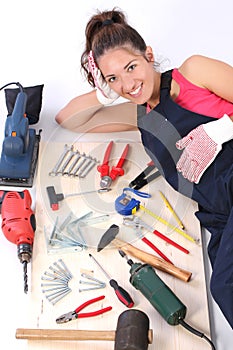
(111, 80)
(132, 67)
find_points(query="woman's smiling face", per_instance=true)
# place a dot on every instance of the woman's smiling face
(129, 74)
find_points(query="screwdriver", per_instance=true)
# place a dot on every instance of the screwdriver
(121, 293)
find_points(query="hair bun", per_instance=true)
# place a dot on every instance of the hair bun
(107, 22)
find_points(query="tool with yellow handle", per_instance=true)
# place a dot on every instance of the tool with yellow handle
(127, 205)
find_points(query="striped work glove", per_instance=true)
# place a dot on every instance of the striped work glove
(104, 94)
(201, 146)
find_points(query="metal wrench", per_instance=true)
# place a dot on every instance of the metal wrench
(66, 150)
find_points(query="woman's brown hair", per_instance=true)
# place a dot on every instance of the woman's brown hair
(108, 30)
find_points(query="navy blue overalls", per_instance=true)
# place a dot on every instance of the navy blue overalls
(160, 129)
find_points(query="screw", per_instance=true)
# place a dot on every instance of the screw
(55, 300)
(93, 283)
(65, 267)
(64, 272)
(91, 288)
(91, 278)
(51, 289)
(52, 284)
(57, 294)
(63, 276)
(55, 278)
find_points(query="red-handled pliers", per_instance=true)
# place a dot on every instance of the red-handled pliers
(72, 315)
(107, 175)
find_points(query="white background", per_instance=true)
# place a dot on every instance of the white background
(41, 43)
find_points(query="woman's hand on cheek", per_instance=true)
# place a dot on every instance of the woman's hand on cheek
(104, 93)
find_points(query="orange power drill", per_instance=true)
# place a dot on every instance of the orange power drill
(19, 225)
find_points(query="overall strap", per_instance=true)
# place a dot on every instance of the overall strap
(165, 86)
(166, 78)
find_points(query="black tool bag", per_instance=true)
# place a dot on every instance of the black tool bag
(34, 101)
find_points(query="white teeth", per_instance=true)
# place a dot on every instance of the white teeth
(135, 92)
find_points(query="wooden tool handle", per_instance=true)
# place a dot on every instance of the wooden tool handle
(153, 260)
(68, 334)
(63, 334)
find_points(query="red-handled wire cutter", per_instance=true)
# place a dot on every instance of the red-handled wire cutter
(72, 315)
(107, 175)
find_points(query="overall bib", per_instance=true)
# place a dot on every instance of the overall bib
(160, 129)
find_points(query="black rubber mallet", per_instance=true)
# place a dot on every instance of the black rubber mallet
(132, 332)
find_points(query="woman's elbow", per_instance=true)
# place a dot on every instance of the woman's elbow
(59, 117)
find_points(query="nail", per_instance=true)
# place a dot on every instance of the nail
(91, 288)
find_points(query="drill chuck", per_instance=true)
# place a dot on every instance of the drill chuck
(24, 251)
(144, 278)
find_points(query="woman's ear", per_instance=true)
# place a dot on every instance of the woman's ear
(149, 54)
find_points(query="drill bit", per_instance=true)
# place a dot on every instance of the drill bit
(24, 255)
(25, 276)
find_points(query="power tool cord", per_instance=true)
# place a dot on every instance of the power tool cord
(196, 332)
(18, 84)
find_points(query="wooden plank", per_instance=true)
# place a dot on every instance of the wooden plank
(193, 293)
